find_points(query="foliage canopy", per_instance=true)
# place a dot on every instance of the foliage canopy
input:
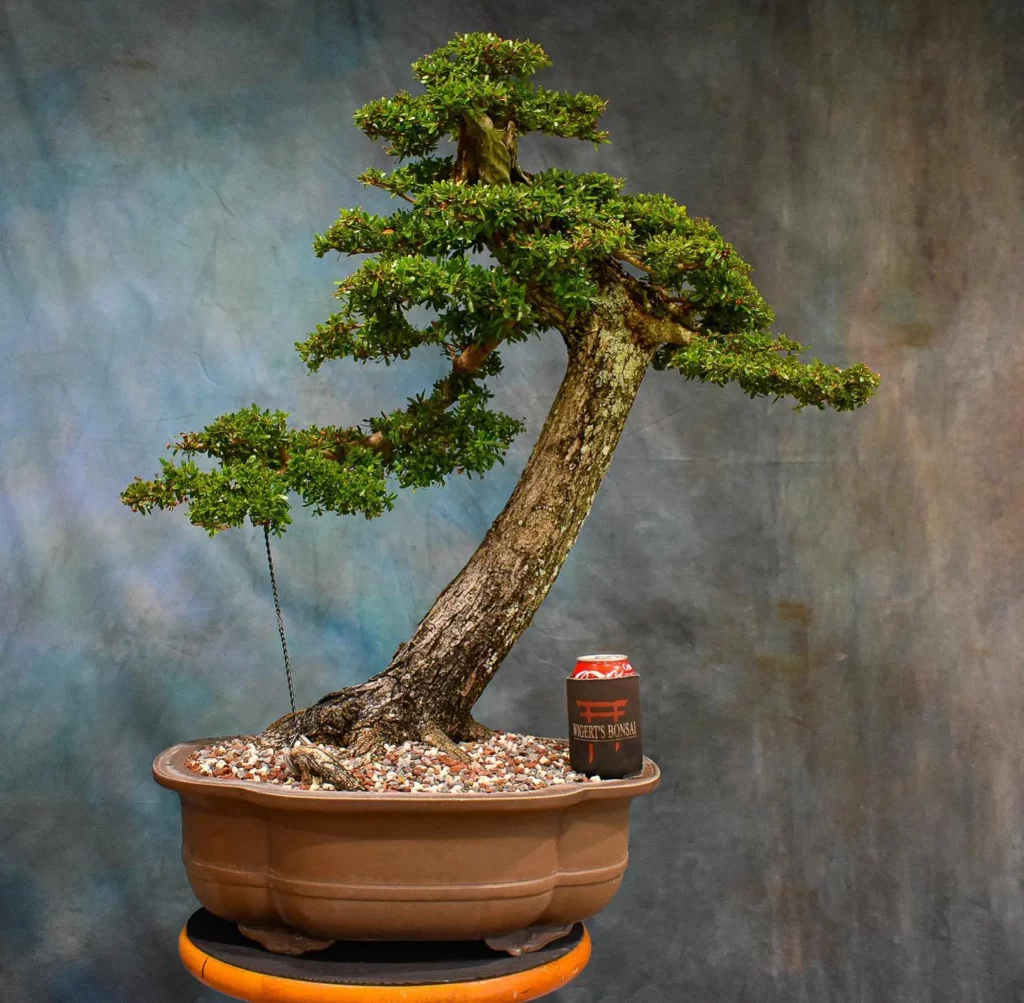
(495, 255)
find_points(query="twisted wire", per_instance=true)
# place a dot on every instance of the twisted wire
(280, 619)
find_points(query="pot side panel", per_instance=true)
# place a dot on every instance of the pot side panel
(400, 876)
(224, 847)
(416, 875)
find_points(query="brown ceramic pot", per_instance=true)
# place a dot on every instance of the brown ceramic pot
(400, 866)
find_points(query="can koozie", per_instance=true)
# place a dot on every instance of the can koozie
(604, 720)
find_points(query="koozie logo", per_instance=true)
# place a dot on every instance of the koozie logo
(591, 710)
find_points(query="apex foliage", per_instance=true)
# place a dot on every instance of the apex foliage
(494, 255)
(474, 75)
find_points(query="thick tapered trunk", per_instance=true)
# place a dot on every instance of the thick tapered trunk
(435, 678)
(460, 643)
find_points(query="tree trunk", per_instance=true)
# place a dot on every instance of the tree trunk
(434, 679)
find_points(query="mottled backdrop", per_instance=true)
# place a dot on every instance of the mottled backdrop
(826, 609)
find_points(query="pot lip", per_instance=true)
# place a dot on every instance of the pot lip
(169, 771)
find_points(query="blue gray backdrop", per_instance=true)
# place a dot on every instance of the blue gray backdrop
(826, 609)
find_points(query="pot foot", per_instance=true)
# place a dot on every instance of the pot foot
(281, 940)
(532, 938)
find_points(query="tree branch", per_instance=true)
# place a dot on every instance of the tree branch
(688, 266)
(548, 308)
(652, 328)
(375, 441)
(663, 331)
(673, 333)
(393, 191)
(471, 358)
(464, 363)
(630, 260)
(675, 305)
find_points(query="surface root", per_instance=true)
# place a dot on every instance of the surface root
(434, 735)
(313, 763)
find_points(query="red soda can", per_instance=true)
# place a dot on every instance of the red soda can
(603, 696)
(602, 667)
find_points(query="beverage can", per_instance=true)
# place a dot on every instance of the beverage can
(602, 667)
(603, 696)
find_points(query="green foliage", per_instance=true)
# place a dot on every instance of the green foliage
(473, 304)
(260, 460)
(217, 499)
(766, 367)
(409, 177)
(479, 56)
(489, 263)
(692, 260)
(430, 441)
(556, 234)
(474, 75)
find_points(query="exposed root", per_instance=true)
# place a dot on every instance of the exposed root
(311, 762)
(283, 732)
(330, 721)
(433, 735)
(359, 720)
(474, 731)
(365, 742)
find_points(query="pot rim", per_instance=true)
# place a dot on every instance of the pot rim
(169, 771)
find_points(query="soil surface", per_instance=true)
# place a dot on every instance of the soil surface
(505, 763)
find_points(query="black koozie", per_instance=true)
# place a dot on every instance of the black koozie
(604, 727)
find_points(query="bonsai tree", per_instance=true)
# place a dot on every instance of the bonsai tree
(497, 255)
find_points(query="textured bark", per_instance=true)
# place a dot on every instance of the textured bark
(487, 153)
(483, 156)
(435, 678)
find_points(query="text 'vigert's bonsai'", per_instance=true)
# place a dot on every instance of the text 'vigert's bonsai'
(497, 255)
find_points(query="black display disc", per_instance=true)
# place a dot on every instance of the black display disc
(369, 962)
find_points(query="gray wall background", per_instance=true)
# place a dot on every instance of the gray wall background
(826, 609)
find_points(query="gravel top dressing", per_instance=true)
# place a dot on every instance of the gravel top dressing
(503, 764)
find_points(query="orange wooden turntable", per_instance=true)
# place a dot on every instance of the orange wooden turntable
(373, 972)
